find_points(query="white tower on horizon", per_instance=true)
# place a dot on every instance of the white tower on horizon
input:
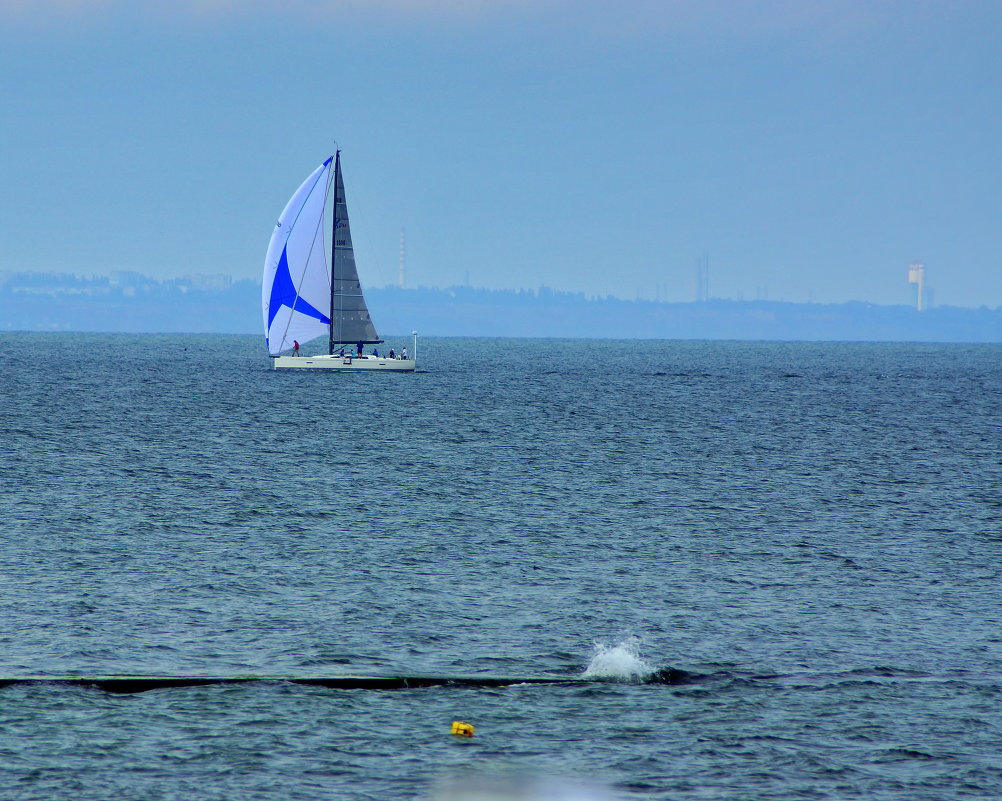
(702, 283)
(400, 276)
(916, 275)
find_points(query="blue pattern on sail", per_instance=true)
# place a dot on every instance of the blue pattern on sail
(283, 293)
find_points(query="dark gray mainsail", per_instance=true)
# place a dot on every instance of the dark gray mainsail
(350, 320)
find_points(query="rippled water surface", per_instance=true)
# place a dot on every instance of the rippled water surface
(813, 531)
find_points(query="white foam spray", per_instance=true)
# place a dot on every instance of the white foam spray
(620, 662)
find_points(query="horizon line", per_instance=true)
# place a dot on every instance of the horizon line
(224, 281)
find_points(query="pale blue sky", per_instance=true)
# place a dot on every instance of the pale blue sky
(813, 149)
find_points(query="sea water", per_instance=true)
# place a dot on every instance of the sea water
(810, 533)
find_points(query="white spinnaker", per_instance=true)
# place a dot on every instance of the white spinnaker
(295, 290)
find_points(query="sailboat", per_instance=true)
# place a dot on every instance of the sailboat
(311, 287)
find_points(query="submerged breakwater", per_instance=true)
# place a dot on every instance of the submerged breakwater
(139, 684)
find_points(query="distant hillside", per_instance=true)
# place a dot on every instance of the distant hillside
(463, 311)
(131, 302)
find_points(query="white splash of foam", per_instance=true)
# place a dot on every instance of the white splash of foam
(621, 662)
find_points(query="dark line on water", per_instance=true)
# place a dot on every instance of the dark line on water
(138, 684)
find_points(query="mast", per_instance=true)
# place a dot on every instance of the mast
(349, 316)
(337, 170)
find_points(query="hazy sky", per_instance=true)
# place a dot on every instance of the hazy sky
(812, 148)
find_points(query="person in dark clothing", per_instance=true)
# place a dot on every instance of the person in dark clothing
(360, 350)
(295, 347)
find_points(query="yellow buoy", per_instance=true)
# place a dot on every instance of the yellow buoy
(461, 729)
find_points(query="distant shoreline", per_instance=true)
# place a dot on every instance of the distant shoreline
(134, 303)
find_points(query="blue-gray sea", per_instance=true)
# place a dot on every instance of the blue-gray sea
(813, 531)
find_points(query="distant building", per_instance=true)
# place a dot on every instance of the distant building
(916, 275)
(216, 282)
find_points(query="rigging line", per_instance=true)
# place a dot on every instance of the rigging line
(329, 266)
(303, 205)
(299, 287)
(312, 246)
(292, 226)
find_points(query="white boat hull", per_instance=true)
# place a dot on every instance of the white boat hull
(345, 363)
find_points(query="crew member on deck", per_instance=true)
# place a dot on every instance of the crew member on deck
(295, 347)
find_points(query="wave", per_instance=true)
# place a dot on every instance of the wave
(620, 662)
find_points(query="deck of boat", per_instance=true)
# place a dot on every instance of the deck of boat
(344, 363)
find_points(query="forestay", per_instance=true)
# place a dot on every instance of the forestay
(296, 284)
